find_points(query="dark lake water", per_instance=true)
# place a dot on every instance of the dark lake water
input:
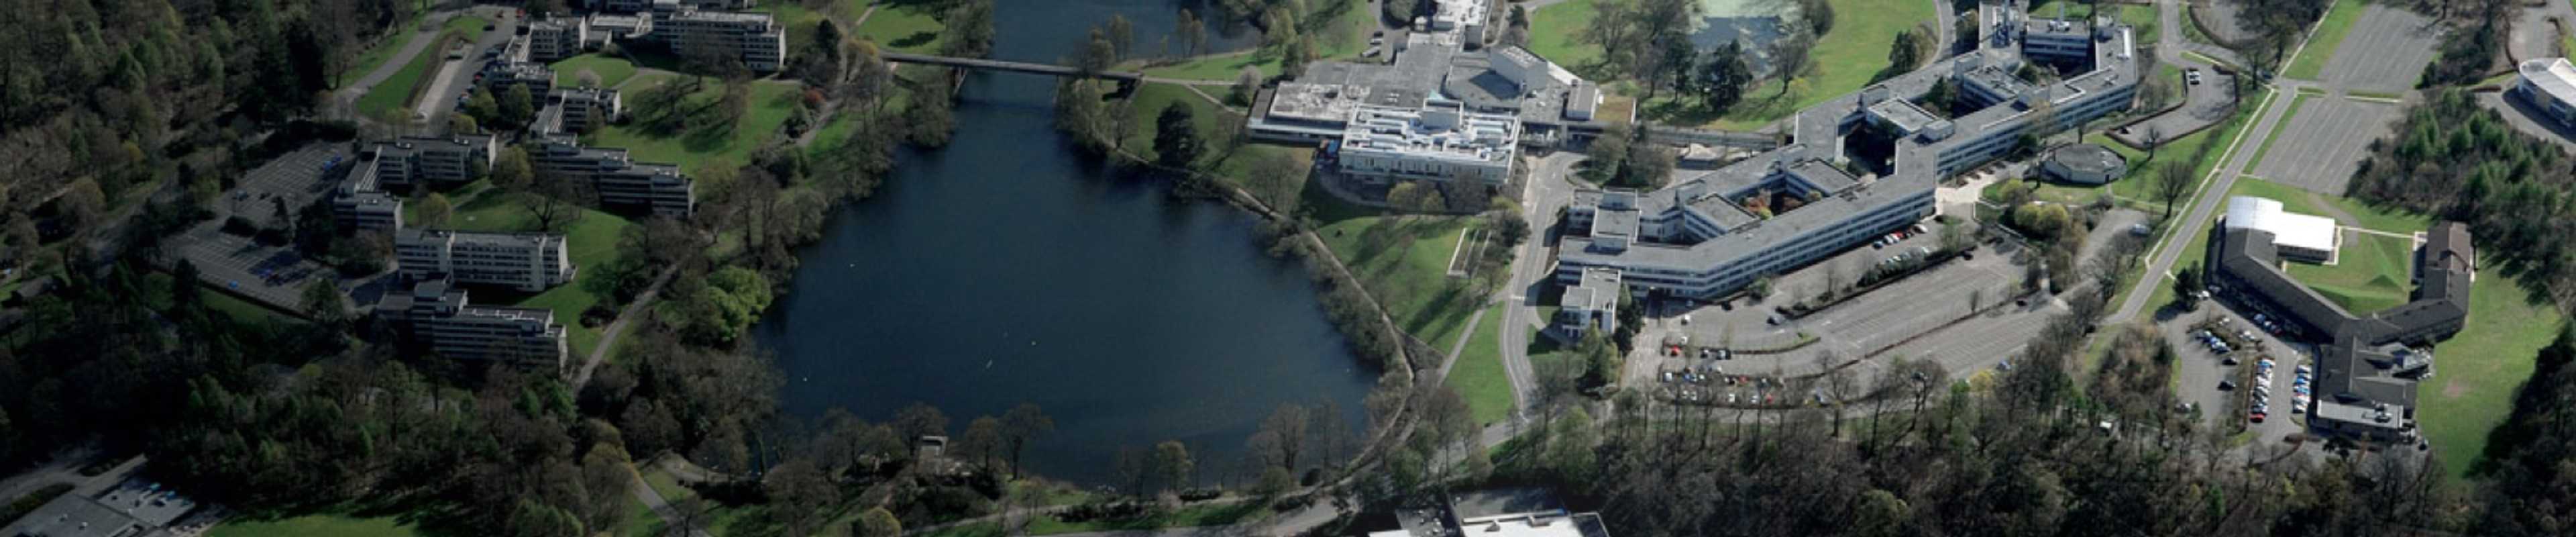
(1007, 269)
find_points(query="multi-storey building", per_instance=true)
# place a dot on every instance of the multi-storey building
(606, 27)
(576, 110)
(557, 38)
(360, 203)
(412, 162)
(754, 38)
(619, 181)
(1435, 142)
(539, 79)
(523, 261)
(438, 316)
(1711, 233)
(2549, 84)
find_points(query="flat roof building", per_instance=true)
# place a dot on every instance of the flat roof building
(2087, 164)
(2550, 84)
(413, 162)
(1710, 233)
(133, 508)
(576, 110)
(439, 317)
(2367, 365)
(557, 38)
(618, 181)
(1592, 304)
(754, 38)
(524, 261)
(1433, 142)
(2303, 237)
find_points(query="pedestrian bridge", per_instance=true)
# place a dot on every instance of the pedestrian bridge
(1048, 69)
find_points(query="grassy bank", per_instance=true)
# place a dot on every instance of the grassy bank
(611, 70)
(2370, 272)
(1410, 274)
(2480, 368)
(1478, 373)
(2338, 20)
(712, 143)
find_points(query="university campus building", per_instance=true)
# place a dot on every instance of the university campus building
(437, 316)
(1712, 233)
(1437, 111)
(2549, 84)
(528, 262)
(616, 179)
(2367, 365)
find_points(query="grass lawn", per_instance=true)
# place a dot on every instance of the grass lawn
(699, 149)
(2321, 45)
(2370, 272)
(1844, 60)
(801, 21)
(243, 310)
(394, 94)
(2389, 219)
(2284, 124)
(610, 69)
(316, 525)
(1556, 33)
(1349, 36)
(1411, 275)
(591, 241)
(906, 27)
(641, 521)
(368, 61)
(2480, 368)
(1478, 374)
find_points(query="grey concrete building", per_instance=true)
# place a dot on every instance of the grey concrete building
(2367, 365)
(1711, 233)
(413, 162)
(133, 508)
(500, 76)
(1592, 304)
(358, 202)
(576, 110)
(619, 181)
(439, 317)
(557, 38)
(754, 38)
(528, 262)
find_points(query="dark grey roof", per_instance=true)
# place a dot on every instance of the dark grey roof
(2088, 158)
(2364, 365)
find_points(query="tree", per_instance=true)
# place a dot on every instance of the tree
(981, 441)
(517, 106)
(1276, 180)
(1122, 37)
(485, 105)
(1281, 441)
(1724, 77)
(798, 495)
(1176, 138)
(2173, 180)
(323, 302)
(1819, 15)
(928, 120)
(1193, 33)
(512, 171)
(1021, 425)
(1246, 82)
(1789, 56)
(2187, 286)
(1407, 195)
(878, 522)
(1907, 52)
(1172, 465)
(1097, 53)
(920, 420)
(433, 211)
(1607, 155)
(1400, 11)
(462, 124)
(967, 29)
(551, 203)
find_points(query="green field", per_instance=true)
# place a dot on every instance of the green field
(1349, 37)
(611, 70)
(2480, 369)
(906, 28)
(2329, 35)
(591, 241)
(1844, 60)
(802, 21)
(1411, 276)
(317, 525)
(2370, 272)
(1556, 33)
(713, 145)
(368, 61)
(2284, 124)
(1478, 372)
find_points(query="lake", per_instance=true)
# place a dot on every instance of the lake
(1008, 268)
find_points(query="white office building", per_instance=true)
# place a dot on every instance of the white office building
(2303, 237)
(439, 317)
(524, 261)
(1592, 303)
(753, 37)
(618, 180)
(2550, 85)
(1441, 143)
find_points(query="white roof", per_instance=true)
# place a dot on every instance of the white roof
(2288, 229)
(2553, 76)
(1522, 525)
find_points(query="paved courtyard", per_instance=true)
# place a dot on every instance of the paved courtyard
(2324, 144)
(2384, 52)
